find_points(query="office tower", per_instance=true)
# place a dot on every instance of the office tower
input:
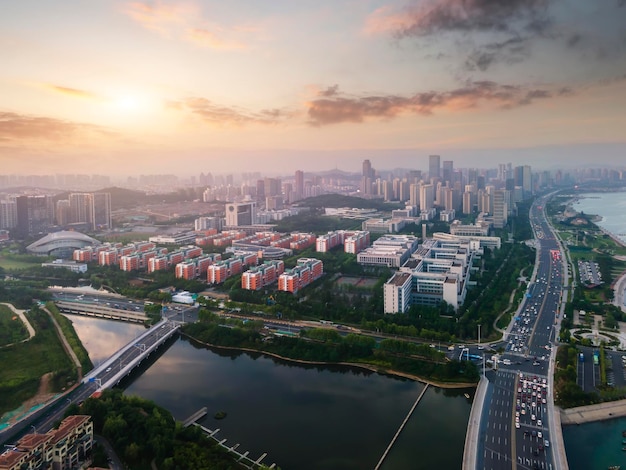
(480, 182)
(34, 214)
(240, 214)
(299, 185)
(467, 203)
(434, 166)
(367, 177)
(448, 171)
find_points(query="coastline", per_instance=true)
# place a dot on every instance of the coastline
(592, 413)
(371, 368)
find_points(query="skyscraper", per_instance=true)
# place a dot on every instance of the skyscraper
(91, 208)
(434, 164)
(34, 214)
(448, 170)
(299, 185)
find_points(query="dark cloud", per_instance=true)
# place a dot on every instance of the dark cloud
(510, 51)
(337, 109)
(330, 91)
(224, 115)
(474, 15)
(574, 40)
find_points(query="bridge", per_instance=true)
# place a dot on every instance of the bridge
(100, 311)
(120, 364)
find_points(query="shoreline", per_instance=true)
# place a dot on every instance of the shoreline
(592, 413)
(371, 368)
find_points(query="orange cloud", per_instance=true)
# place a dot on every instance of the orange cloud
(206, 38)
(183, 22)
(159, 16)
(224, 115)
(72, 91)
(384, 20)
(18, 128)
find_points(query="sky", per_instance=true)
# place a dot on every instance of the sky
(148, 87)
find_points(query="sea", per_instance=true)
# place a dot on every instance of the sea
(599, 445)
(610, 206)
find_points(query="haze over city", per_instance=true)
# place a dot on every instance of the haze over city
(122, 87)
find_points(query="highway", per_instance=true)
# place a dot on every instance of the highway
(514, 430)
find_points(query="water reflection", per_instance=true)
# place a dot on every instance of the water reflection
(303, 416)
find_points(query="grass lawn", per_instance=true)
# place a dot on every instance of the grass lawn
(12, 264)
(24, 364)
(12, 330)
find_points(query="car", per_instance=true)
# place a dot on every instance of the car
(546, 443)
(517, 425)
(539, 422)
(539, 435)
(533, 417)
(108, 369)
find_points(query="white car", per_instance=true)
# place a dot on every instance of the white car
(538, 422)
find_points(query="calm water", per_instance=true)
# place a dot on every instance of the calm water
(612, 208)
(303, 417)
(595, 445)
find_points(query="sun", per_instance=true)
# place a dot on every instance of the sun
(129, 103)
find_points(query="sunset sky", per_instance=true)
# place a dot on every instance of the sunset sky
(129, 87)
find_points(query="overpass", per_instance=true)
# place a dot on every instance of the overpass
(100, 311)
(120, 364)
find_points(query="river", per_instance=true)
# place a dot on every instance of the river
(303, 417)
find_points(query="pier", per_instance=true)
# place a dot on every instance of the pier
(242, 458)
(201, 413)
(393, 441)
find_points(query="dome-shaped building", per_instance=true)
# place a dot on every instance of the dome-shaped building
(61, 244)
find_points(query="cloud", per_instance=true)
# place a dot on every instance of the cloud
(184, 22)
(226, 116)
(72, 91)
(15, 127)
(325, 110)
(509, 51)
(158, 16)
(206, 38)
(460, 15)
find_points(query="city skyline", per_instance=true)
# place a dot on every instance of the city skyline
(186, 87)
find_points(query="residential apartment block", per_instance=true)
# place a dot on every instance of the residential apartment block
(65, 448)
(306, 271)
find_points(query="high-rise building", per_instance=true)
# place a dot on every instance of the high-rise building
(500, 208)
(448, 171)
(63, 212)
(240, 214)
(434, 164)
(34, 214)
(299, 185)
(8, 214)
(91, 208)
(273, 187)
(427, 197)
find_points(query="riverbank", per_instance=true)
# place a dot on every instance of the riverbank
(371, 368)
(592, 413)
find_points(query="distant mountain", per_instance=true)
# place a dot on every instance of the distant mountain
(122, 198)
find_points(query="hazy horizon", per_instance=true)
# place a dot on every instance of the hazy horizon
(149, 87)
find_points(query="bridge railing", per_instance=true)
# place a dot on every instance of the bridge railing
(111, 360)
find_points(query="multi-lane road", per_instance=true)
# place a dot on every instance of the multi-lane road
(515, 423)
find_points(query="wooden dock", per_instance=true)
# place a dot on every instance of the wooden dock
(201, 413)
